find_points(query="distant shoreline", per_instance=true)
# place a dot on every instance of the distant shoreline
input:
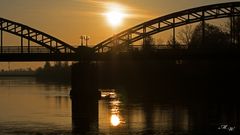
(17, 74)
(38, 78)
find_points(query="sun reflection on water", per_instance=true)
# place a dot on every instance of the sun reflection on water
(114, 102)
(115, 120)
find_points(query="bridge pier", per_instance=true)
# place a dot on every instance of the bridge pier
(84, 95)
(1, 39)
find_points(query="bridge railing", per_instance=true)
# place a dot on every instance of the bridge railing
(153, 47)
(25, 49)
(162, 46)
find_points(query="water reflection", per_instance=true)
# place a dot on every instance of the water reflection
(115, 120)
(141, 118)
(114, 105)
(30, 107)
(108, 93)
(84, 111)
(119, 115)
(110, 112)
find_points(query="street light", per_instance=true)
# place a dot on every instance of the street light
(87, 38)
(81, 38)
(84, 38)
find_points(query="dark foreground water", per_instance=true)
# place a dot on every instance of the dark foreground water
(31, 108)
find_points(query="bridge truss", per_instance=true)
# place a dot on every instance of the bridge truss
(171, 21)
(48, 44)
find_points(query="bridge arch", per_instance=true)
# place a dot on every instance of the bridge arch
(170, 21)
(53, 44)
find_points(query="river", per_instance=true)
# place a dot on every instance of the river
(28, 107)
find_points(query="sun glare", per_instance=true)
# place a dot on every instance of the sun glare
(115, 121)
(115, 15)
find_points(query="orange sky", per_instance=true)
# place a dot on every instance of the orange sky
(69, 19)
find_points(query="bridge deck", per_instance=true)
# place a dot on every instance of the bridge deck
(30, 57)
(163, 54)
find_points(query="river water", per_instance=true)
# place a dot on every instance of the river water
(28, 107)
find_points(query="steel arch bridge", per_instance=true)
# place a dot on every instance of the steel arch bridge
(171, 21)
(50, 43)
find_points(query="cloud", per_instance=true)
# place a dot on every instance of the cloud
(100, 6)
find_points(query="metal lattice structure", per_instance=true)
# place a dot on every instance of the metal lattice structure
(171, 21)
(51, 43)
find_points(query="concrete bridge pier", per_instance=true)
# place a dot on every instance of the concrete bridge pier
(84, 95)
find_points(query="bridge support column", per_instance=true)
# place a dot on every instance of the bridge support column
(21, 41)
(1, 38)
(84, 96)
(174, 34)
(29, 41)
(203, 29)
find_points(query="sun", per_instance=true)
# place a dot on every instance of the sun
(115, 15)
(114, 18)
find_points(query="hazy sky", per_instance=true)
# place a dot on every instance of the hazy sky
(68, 19)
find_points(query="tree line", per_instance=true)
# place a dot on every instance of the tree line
(203, 35)
(60, 71)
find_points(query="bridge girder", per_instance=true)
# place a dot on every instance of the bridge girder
(167, 22)
(53, 44)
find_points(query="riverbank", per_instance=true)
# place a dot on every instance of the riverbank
(45, 77)
(17, 74)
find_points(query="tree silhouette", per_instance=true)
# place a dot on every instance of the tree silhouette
(173, 44)
(233, 29)
(47, 66)
(148, 44)
(58, 72)
(214, 37)
(185, 35)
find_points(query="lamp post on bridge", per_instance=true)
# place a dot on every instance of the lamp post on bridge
(84, 38)
(81, 38)
(87, 38)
